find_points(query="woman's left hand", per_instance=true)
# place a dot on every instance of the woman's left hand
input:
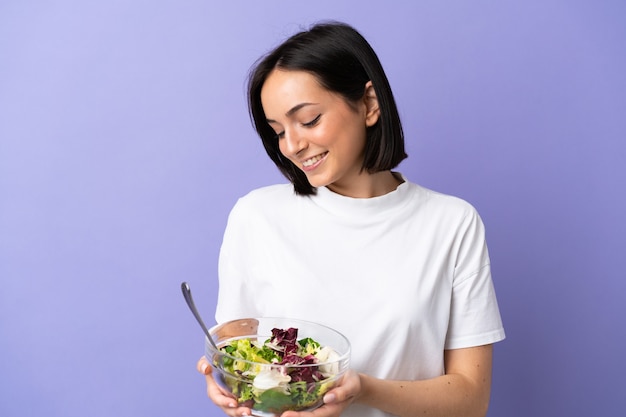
(336, 400)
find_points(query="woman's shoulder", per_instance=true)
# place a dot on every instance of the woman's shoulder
(266, 198)
(440, 202)
(269, 194)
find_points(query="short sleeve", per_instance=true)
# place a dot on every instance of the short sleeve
(474, 314)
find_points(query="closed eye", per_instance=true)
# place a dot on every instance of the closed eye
(312, 122)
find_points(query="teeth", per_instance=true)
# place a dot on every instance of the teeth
(313, 160)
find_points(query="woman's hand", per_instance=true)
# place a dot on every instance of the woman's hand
(220, 397)
(336, 400)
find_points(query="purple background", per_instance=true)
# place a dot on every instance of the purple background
(125, 140)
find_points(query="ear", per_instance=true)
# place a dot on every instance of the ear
(372, 109)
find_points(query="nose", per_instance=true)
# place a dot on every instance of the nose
(292, 144)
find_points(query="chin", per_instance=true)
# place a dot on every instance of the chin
(318, 182)
(322, 177)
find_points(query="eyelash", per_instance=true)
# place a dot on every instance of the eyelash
(312, 122)
(307, 124)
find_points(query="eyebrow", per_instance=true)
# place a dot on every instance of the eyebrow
(292, 110)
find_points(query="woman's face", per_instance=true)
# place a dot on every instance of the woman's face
(317, 129)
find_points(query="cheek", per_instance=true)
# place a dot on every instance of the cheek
(354, 138)
(329, 135)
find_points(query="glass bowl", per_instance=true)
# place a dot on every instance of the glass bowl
(263, 384)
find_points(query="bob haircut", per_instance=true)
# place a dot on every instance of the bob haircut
(343, 62)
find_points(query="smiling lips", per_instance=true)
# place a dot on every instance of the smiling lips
(313, 162)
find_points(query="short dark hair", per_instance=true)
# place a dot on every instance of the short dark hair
(343, 62)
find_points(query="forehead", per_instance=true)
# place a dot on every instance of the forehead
(284, 89)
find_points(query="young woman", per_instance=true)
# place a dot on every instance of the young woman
(401, 270)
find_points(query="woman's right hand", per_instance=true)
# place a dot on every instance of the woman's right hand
(220, 397)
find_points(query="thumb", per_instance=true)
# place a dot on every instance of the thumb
(203, 366)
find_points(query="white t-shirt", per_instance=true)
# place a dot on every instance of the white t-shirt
(403, 276)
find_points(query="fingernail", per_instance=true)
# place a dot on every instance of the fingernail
(329, 398)
(203, 368)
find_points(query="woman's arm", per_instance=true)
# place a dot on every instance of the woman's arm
(463, 391)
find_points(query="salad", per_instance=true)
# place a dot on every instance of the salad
(258, 382)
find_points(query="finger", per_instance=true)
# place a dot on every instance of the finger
(348, 389)
(330, 398)
(237, 412)
(203, 366)
(338, 395)
(242, 412)
(327, 410)
(220, 397)
(218, 394)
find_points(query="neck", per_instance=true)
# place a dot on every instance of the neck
(369, 185)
